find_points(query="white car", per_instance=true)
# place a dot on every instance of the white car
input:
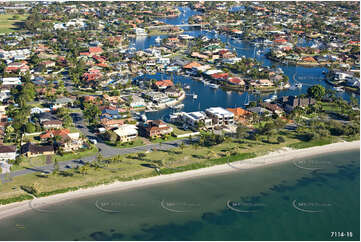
(94, 141)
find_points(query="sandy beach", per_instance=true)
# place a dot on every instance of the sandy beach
(282, 155)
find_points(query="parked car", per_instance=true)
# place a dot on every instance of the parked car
(94, 141)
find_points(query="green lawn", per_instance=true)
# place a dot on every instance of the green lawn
(41, 160)
(318, 142)
(8, 24)
(132, 166)
(178, 131)
(136, 142)
(162, 140)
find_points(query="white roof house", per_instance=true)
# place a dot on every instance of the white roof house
(211, 72)
(220, 116)
(126, 132)
(220, 112)
(11, 81)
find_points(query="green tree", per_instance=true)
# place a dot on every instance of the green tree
(92, 113)
(316, 91)
(30, 128)
(241, 131)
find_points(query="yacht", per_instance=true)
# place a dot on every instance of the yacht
(205, 82)
(273, 97)
(246, 102)
(143, 117)
(212, 85)
(179, 106)
(339, 89)
(268, 100)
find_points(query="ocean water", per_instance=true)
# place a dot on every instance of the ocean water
(304, 199)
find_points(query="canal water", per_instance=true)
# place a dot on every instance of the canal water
(209, 97)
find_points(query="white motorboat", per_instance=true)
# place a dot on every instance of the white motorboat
(143, 117)
(179, 106)
(195, 96)
(274, 97)
(298, 85)
(339, 89)
(268, 100)
(158, 39)
(212, 85)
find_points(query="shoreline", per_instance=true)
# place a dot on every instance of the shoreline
(284, 154)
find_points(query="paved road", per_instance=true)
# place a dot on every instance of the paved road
(106, 150)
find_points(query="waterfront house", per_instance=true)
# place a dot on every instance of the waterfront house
(163, 84)
(309, 59)
(240, 115)
(220, 116)
(236, 81)
(260, 111)
(274, 108)
(220, 76)
(155, 128)
(291, 102)
(192, 65)
(193, 120)
(265, 83)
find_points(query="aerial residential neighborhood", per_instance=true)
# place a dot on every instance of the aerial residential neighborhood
(100, 92)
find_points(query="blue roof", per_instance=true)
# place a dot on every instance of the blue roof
(111, 112)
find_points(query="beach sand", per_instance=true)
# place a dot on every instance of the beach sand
(281, 155)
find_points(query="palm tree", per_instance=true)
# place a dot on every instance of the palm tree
(99, 157)
(195, 146)
(56, 166)
(181, 146)
(212, 154)
(84, 169)
(228, 155)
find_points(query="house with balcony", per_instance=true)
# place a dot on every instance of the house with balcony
(126, 133)
(155, 128)
(220, 116)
